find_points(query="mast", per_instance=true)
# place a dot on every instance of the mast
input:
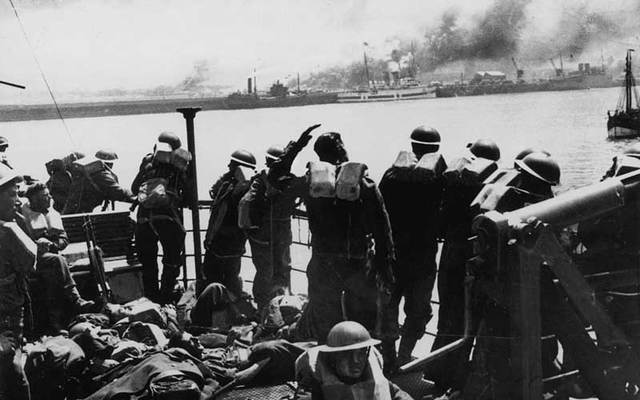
(628, 81)
(366, 69)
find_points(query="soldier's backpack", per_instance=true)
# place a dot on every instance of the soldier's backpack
(161, 190)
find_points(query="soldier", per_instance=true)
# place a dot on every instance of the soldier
(225, 241)
(265, 213)
(94, 183)
(161, 187)
(491, 363)
(412, 190)
(55, 297)
(464, 179)
(60, 178)
(349, 363)
(350, 271)
(17, 260)
(4, 145)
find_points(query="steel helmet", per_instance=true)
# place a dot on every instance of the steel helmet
(273, 153)
(425, 135)
(171, 139)
(541, 166)
(530, 150)
(4, 142)
(485, 148)
(327, 142)
(7, 175)
(347, 335)
(106, 155)
(244, 158)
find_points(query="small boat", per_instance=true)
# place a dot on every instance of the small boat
(624, 122)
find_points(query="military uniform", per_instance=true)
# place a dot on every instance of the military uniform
(225, 241)
(90, 190)
(268, 211)
(462, 185)
(54, 292)
(161, 223)
(17, 260)
(342, 271)
(413, 202)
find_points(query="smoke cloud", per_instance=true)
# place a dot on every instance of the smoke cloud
(531, 30)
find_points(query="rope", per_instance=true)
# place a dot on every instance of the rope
(44, 78)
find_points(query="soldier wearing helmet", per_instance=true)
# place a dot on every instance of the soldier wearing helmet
(162, 188)
(351, 245)
(265, 213)
(464, 179)
(225, 241)
(95, 183)
(348, 366)
(412, 190)
(538, 172)
(17, 261)
(4, 145)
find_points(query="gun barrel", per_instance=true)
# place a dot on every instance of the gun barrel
(583, 203)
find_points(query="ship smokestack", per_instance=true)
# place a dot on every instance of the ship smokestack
(249, 85)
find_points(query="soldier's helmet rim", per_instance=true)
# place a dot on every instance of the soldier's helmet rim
(541, 166)
(425, 135)
(347, 335)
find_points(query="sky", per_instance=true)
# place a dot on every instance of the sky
(92, 45)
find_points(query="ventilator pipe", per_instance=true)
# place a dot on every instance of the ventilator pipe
(189, 115)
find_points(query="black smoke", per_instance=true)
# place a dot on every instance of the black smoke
(494, 34)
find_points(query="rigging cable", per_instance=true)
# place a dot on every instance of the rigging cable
(44, 78)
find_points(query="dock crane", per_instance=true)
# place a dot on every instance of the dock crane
(559, 71)
(519, 72)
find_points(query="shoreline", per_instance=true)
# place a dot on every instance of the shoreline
(14, 113)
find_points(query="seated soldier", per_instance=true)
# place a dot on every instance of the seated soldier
(347, 367)
(54, 292)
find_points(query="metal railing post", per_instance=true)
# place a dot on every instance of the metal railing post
(189, 115)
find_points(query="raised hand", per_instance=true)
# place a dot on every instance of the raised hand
(305, 137)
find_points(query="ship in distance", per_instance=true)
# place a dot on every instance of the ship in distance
(624, 121)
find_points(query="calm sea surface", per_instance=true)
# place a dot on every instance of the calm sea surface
(571, 125)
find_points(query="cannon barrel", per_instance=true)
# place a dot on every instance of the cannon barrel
(576, 205)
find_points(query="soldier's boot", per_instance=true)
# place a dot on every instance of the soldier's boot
(78, 304)
(389, 357)
(407, 344)
(168, 282)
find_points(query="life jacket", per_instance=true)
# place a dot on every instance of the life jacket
(501, 198)
(470, 170)
(164, 181)
(324, 183)
(375, 387)
(408, 168)
(39, 224)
